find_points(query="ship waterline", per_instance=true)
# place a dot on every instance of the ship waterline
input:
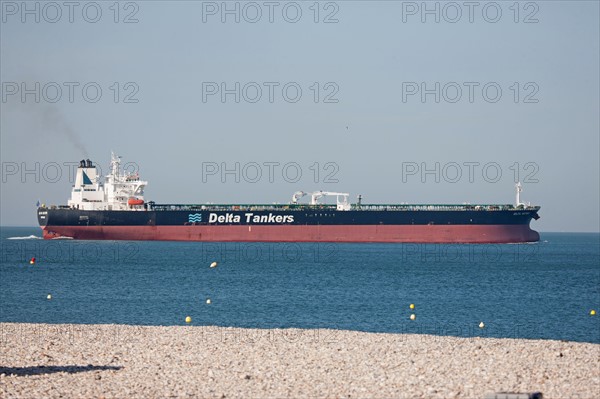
(317, 233)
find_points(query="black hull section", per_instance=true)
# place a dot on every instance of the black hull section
(73, 217)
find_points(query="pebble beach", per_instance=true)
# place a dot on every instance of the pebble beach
(121, 361)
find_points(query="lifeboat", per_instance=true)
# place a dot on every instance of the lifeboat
(135, 201)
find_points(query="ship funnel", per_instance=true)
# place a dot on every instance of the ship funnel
(87, 174)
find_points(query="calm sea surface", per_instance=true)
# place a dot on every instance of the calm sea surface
(544, 290)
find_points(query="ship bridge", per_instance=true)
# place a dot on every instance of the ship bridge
(119, 191)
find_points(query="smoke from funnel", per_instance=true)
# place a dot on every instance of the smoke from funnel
(54, 120)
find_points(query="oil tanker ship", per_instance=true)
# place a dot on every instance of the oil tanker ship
(114, 209)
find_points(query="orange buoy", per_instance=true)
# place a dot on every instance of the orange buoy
(32, 261)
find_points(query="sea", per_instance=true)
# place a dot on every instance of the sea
(544, 290)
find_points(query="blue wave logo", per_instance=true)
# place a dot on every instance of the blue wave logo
(194, 217)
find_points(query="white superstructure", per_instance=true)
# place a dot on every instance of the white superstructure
(119, 191)
(341, 198)
(518, 203)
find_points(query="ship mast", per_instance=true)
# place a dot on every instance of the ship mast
(115, 166)
(519, 189)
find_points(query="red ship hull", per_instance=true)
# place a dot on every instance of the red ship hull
(304, 233)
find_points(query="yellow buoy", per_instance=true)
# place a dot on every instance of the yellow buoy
(49, 297)
(208, 301)
(413, 316)
(481, 325)
(188, 319)
(592, 312)
(412, 306)
(214, 264)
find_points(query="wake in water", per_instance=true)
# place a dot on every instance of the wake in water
(62, 238)
(31, 237)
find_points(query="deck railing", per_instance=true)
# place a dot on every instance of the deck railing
(328, 207)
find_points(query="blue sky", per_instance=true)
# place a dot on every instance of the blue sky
(370, 58)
